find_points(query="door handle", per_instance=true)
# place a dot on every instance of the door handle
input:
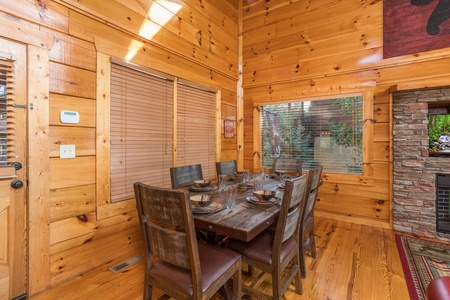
(17, 184)
(17, 165)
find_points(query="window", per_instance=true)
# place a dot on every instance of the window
(196, 129)
(142, 127)
(141, 130)
(322, 132)
(6, 110)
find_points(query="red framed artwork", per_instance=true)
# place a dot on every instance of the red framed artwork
(412, 26)
(228, 128)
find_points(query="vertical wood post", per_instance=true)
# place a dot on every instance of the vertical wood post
(103, 136)
(240, 95)
(39, 173)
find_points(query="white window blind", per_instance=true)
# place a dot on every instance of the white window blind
(196, 128)
(322, 132)
(141, 130)
(7, 87)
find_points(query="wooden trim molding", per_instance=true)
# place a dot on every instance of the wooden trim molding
(218, 126)
(174, 124)
(240, 93)
(39, 162)
(105, 209)
(256, 137)
(368, 120)
(25, 34)
(103, 133)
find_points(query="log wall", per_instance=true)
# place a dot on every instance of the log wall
(311, 49)
(75, 226)
(291, 49)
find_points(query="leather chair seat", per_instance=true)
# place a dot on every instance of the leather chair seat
(260, 247)
(439, 288)
(214, 261)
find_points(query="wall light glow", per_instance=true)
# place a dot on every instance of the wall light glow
(159, 13)
(133, 48)
(371, 59)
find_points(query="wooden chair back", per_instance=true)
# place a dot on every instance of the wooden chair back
(281, 259)
(291, 165)
(291, 209)
(306, 230)
(185, 175)
(162, 213)
(314, 182)
(226, 167)
(168, 232)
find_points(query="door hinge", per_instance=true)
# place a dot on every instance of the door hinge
(15, 105)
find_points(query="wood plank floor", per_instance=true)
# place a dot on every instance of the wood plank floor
(353, 262)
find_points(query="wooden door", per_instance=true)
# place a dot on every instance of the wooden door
(13, 163)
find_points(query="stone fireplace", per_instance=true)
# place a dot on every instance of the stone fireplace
(414, 171)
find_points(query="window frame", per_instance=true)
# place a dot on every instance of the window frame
(176, 81)
(367, 129)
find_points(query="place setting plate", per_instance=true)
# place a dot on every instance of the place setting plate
(253, 200)
(275, 176)
(212, 208)
(203, 189)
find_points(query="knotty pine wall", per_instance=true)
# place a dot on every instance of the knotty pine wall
(308, 49)
(73, 226)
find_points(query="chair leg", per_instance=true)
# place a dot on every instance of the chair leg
(250, 270)
(276, 286)
(297, 279)
(302, 261)
(298, 276)
(147, 290)
(298, 284)
(312, 245)
(237, 286)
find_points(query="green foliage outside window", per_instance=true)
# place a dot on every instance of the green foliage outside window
(438, 125)
(346, 134)
(326, 132)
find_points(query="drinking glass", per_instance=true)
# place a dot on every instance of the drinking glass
(283, 176)
(222, 182)
(231, 196)
(258, 183)
(246, 176)
(263, 171)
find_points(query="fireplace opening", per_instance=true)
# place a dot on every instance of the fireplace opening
(442, 203)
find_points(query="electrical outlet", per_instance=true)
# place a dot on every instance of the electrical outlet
(67, 151)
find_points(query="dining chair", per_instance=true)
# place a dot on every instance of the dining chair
(291, 165)
(307, 238)
(226, 167)
(185, 175)
(276, 252)
(175, 262)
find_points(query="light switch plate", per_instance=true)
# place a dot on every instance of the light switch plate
(67, 151)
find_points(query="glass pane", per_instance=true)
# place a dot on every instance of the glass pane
(323, 132)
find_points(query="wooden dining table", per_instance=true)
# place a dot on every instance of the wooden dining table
(246, 220)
